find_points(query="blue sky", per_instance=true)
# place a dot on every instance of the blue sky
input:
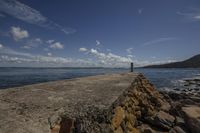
(108, 33)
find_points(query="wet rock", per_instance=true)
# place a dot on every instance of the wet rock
(192, 116)
(177, 129)
(146, 129)
(194, 125)
(195, 99)
(162, 119)
(179, 121)
(176, 96)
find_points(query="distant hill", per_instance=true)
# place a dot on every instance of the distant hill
(193, 62)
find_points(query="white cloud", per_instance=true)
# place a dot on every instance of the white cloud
(96, 58)
(38, 40)
(1, 46)
(27, 14)
(159, 40)
(98, 42)
(192, 14)
(18, 33)
(130, 56)
(109, 50)
(129, 50)
(50, 41)
(82, 49)
(140, 10)
(49, 54)
(26, 47)
(9, 51)
(110, 59)
(10, 57)
(141, 63)
(56, 45)
(32, 43)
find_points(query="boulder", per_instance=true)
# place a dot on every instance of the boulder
(162, 119)
(179, 121)
(146, 129)
(192, 116)
(177, 129)
(118, 117)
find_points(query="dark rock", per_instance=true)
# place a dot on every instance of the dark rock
(177, 129)
(146, 129)
(194, 125)
(162, 119)
(192, 116)
(179, 121)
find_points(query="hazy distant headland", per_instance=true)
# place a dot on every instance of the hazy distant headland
(193, 62)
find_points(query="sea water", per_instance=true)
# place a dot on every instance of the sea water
(161, 78)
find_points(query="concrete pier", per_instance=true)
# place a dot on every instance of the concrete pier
(37, 108)
(113, 103)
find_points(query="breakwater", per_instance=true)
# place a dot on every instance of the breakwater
(106, 103)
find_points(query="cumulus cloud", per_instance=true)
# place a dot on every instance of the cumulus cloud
(49, 54)
(56, 45)
(129, 50)
(82, 49)
(27, 14)
(18, 33)
(50, 41)
(130, 56)
(1, 46)
(110, 59)
(98, 42)
(32, 43)
(10, 57)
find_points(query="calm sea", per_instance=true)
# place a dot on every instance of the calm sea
(161, 78)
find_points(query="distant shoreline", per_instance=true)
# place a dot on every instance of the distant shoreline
(193, 62)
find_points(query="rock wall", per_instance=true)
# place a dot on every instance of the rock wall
(139, 106)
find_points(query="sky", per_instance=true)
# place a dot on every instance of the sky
(97, 33)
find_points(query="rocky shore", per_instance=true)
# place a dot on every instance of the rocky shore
(117, 103)
(152, 111)
(185, 105)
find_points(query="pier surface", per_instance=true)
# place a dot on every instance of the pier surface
(31, 108)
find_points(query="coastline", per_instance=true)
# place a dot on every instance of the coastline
(105, 103)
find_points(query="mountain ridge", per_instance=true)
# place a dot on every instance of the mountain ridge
(193, 62)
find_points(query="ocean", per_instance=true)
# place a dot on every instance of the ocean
(161, 78)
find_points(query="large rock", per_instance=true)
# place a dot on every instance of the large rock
(177, 129)
(144, 128)
(118, 117)
(162, 119)
(192, 116)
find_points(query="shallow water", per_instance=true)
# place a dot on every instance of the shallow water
(161, 78)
